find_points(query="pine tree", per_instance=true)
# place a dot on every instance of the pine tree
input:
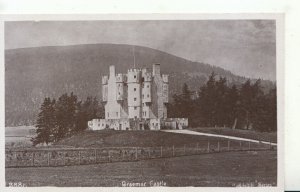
(231, 110)
(46, 122)
(65, 110)
(88, 110)
(221, 102)
(207, 102)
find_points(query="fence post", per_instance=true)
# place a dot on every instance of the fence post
(218, 146)
(240, 145)
(270, 145)
(228, 146)
(33, 158)
(208, 146)
(249, 147)
(15, 154)
(161, 151)
(108, 155)
(136, 153)
(95, 153)
(48, 158)
(173, 153)
(79, 154)
(149, 155)
(64, 156)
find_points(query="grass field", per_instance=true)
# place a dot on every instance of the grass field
(249, 134)
(111, 138)
(221, 169)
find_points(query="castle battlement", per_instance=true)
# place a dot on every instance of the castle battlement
(120, 78)
(134, 70)
(147, 77)
(165, 78)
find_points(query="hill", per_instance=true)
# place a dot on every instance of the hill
(34, 73)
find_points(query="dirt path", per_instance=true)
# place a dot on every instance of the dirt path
(216, 135)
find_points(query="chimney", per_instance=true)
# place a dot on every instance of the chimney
(156, 69)
(112, 70)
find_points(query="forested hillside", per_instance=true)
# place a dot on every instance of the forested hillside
(31, 74)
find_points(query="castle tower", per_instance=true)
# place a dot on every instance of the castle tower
(160, 88)
(134, 93)
(114, 94)
(146, 94)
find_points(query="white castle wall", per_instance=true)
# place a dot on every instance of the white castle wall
(136, 101)
(113, 108)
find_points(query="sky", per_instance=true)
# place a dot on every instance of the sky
(245, 47)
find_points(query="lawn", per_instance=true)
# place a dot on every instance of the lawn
(219, 169)
(249, 134)
(111, 138)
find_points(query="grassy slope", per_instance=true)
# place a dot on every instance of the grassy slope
(136, 139)
(240, 133)
(223, 169)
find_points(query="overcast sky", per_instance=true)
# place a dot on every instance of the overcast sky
(246, 48)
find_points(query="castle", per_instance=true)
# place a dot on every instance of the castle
(136, 101)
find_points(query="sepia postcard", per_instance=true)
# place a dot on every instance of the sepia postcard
(144, 101)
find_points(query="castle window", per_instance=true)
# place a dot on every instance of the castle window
(117, 114)
(145, 113)
(134, 89)
(143, 96)
(148, 95)
(147, 86)
(135, 76)
(119, 93)
(135, 108)
(134, 99)
(107, 114)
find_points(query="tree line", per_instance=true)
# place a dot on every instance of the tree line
(217, 104)
(64, 117)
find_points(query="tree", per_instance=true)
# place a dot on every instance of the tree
(65, 117)
(46, 122)
(183, 105)
(206, 107)
(220, 104)
(265, 119)
(65, 111)
(88, 110)
(231, 110)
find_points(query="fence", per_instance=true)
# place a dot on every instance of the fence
(82, 156)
